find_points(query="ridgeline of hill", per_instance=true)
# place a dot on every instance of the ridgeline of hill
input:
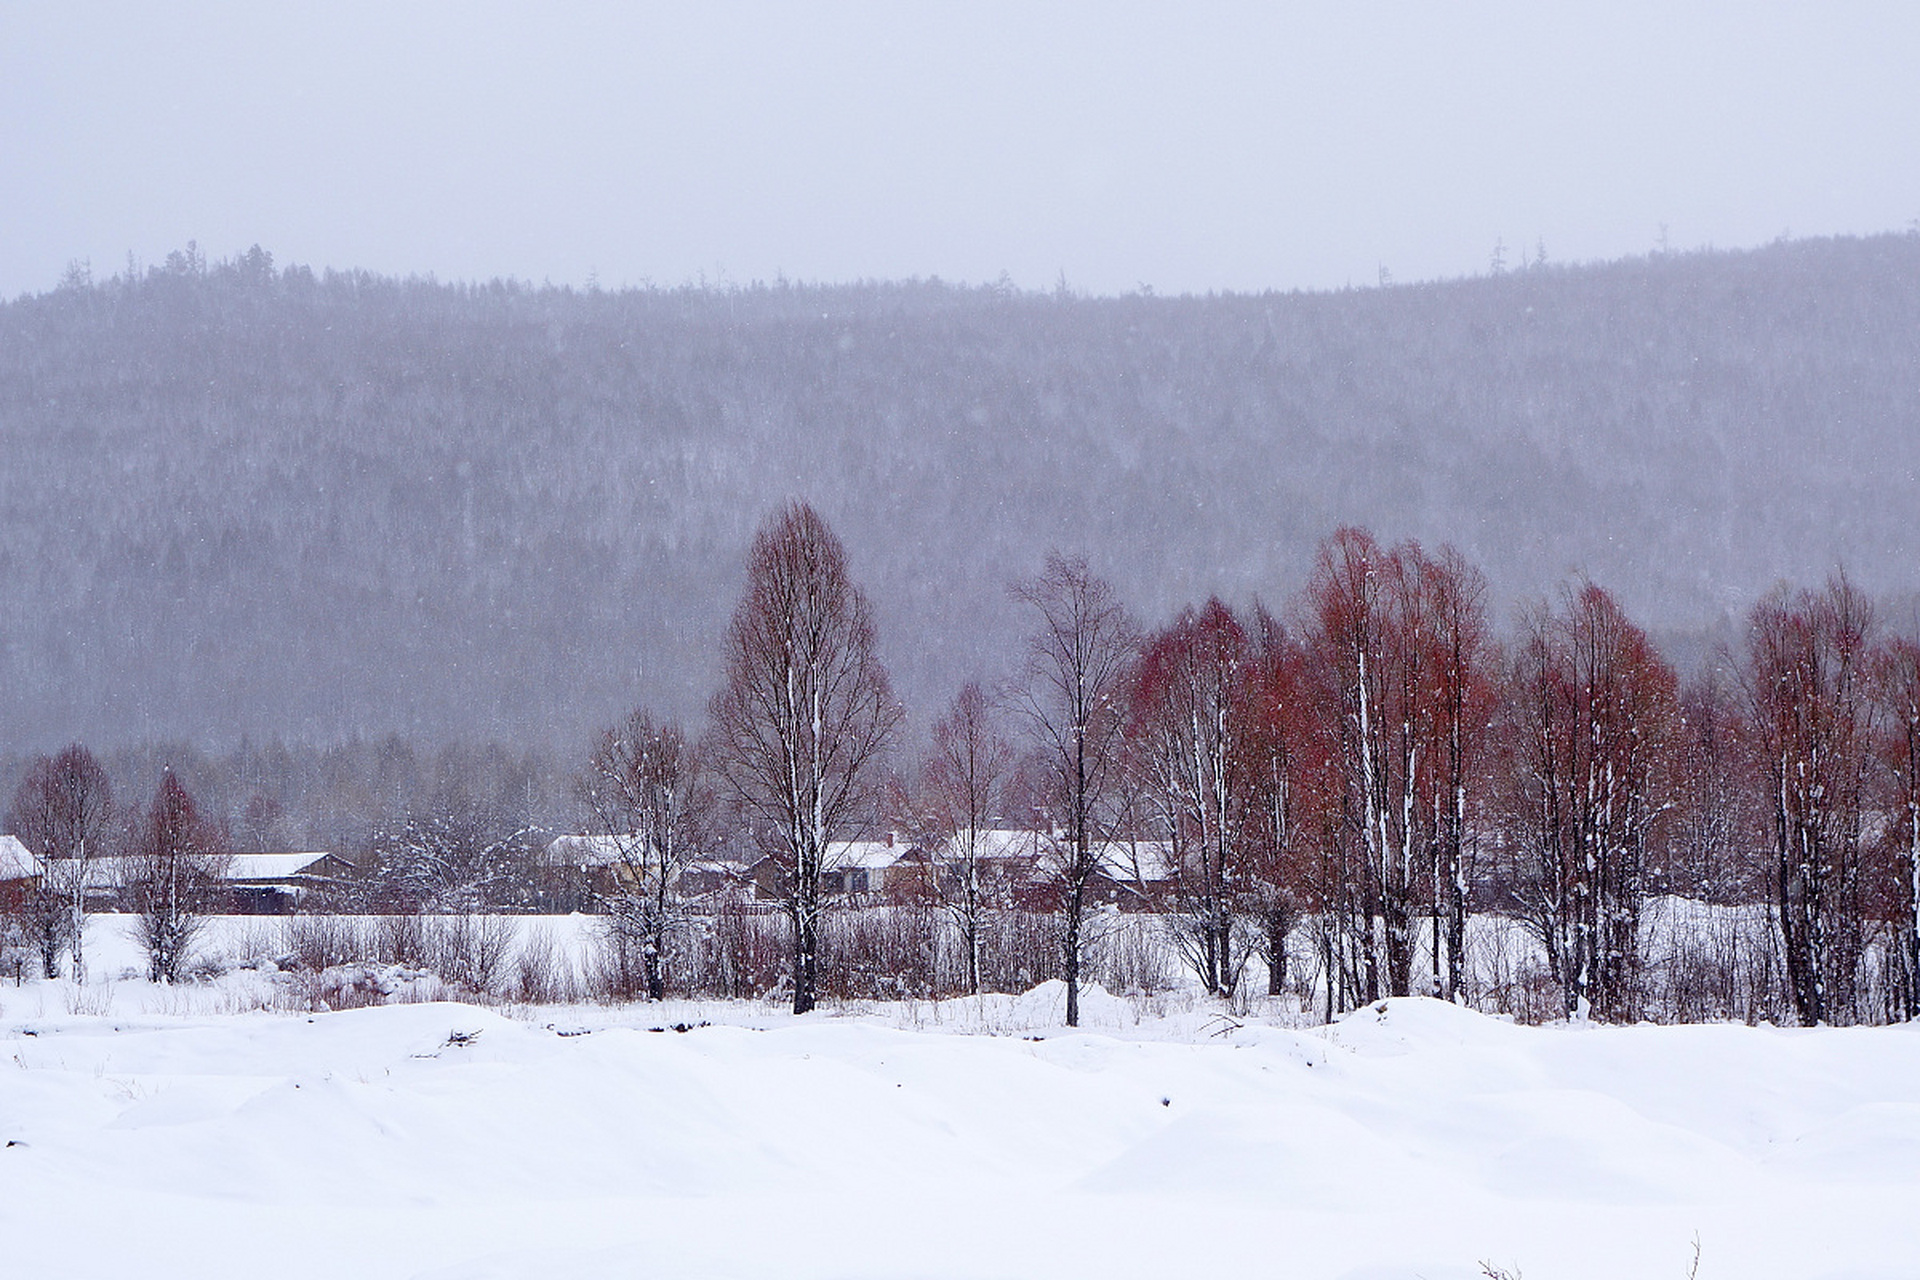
(240, 500)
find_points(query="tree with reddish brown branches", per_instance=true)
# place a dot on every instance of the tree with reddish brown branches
(172, 878)
(1461, 667)
(1897, 686)
(1283, 778)
(1352, 645)
(1721, 815)
(1399, 649)
(1590, 722)
(1192, 715)
(1809, 693)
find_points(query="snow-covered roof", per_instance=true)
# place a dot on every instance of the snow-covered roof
(609, 851)
(1129, 860)
(589, 851)
(270, 866)
(994, 844)
(103, 873)
(868, 855)
(16, 861)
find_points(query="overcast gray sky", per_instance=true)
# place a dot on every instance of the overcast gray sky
(1187, 147)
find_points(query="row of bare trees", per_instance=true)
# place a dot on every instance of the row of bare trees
(1378, 770)
(163, 862)
(1365, 772)
(1836, 732)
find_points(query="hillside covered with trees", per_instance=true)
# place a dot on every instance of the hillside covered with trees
(244, 500)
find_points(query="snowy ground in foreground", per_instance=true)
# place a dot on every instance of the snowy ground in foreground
(152, 1133)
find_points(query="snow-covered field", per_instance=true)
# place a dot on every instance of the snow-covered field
(184, 1132)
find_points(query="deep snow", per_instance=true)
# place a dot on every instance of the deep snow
(159, 1133)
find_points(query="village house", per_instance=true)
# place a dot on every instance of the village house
(1006, 860)
(1135, 875)
(581, 869)
(250, 883)
(851, 869)
(19, 873)
(261, 884)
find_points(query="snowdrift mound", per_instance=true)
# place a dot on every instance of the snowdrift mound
(1411, 1024)
(1410, 1138)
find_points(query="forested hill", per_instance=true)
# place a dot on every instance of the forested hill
(239, 499)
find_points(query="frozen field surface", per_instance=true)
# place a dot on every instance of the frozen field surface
(190, 1133)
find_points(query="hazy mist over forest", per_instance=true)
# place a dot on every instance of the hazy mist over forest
(977, 280)
(251, 499)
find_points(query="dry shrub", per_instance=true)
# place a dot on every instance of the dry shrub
(541, 972)
(1131, 956)
(316, 942)
(1713, 963)
(734, 948)
(1019, 950)
(470, 952)
(402, 939)
(881, 953)
(745, 951)
(616, 971)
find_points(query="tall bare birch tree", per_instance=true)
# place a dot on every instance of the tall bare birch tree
(1366, 606)
(1591, 746)
(804, 712)
(1400, 643)
(1463, 664)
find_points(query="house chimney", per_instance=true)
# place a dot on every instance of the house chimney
(889, 839)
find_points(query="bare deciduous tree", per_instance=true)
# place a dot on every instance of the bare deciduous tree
(452, 858)
(964, 791)
(1192, 728)
(1074, 702)
(1592, 716)
(1808, 689)
(1721, 816)
(1464, 698)
(63, 812)
(645, 796)
(804, 712)
(1368, 612)
(1400, 647)
(172, 878)
(1897, 683)
(1285, 781)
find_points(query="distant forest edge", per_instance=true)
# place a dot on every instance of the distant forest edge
(241, 502)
